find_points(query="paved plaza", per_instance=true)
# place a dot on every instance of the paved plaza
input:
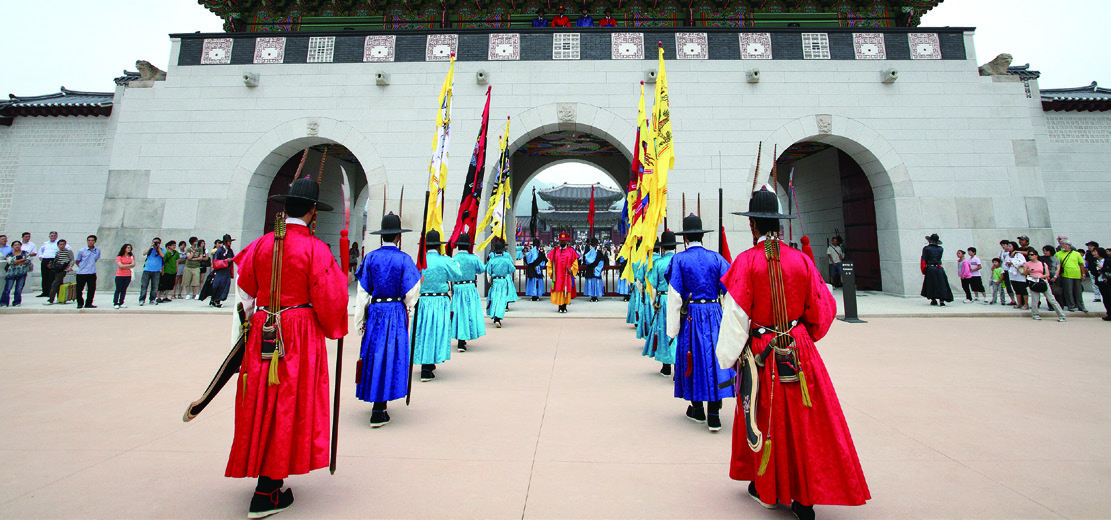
(557, 418)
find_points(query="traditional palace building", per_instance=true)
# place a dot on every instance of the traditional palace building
(892, 131)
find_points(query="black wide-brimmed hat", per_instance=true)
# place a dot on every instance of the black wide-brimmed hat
(463, 240)
(432, 238)
(391, 225)
(304, 189)
(764, 204)
(692, 225)
(667, 239)
(227, 238)
(933, 239)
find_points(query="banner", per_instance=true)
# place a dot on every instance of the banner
(499, 204)
(437, 166)
(467, 217)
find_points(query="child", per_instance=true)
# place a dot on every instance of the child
(977, 281)
(997, 282)
(965, 273)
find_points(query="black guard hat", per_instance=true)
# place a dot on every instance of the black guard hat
(692, 225)
(391, 225)
(304, 189)
(764, 204)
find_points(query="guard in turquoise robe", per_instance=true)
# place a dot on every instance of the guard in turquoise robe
(501, 269)
(658, 345)
(433, 323)
(467, 322)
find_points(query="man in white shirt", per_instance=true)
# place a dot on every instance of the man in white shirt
(1013, 261)
(46, 255)
(836, 255)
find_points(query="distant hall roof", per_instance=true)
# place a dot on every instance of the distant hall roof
(603, 196)
(64, 103)
(1091, 98)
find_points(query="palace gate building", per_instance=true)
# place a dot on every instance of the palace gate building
(889, 127)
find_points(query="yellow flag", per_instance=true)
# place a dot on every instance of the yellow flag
(437, 166)
(662, 158)
(499, 204)
(628, 249)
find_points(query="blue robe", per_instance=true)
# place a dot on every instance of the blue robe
(644, 306)
(696, 274)
(535, 286)
(433, 324)
(501, 268)
(466, 305)
(221, 278)
(512, 297)
(657, 344)
(622, 284)
(386, 272)
(585, 21)
(592, 286)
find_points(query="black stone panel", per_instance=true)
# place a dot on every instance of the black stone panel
(898, 46)
(952, 46)
(652, 43)
(724, 46)
(536, 47)
(473, 47)
(296, 50)
(243, 51)
(349, 49)
(595, 46)
(841, 46)
(785, 46)
(190, 52)
(410, 47)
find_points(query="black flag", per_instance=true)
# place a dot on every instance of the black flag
(535, 216)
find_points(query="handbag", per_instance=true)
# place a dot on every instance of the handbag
(1039, 285)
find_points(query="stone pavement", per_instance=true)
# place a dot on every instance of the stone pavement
(557, 418)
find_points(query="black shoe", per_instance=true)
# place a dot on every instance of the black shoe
(497, 322)
(89, 306)
(266, 504)
(666, 371)
(79, 306)
(933, 302)
(462, 347)
(756, 496)
(1106, 318)
(697, 415)
(942, 304)
(713, 421)
(379, 418)
(535, 299)
(802, 512)
(426, 375)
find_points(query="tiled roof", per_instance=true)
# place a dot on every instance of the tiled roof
(64, 103)
(127, 77)
(601, 218)
(1024, 72)
(603, 196)
(1091, 98)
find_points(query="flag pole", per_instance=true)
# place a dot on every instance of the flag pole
(416, 310)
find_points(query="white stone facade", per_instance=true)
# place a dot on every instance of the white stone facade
(945, 150)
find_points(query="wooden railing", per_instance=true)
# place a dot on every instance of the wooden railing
(610, 280)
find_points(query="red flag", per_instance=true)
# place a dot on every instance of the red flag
(467, 218)
(725, 247)
(590, 216)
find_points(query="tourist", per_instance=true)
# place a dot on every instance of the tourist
(593, 264)
(1013, 261)
(607, 20)
(1089, 261)
(964, 271)
(179, 287)
(1073, 273)
(836, 255)
(388, 289)
(4, 247)
(17, 263)
(125, 262)
(169, 273)
(658, 345)
(353, 257)
(1049, 256)
(560, 19)
(500, 268)
(30, 249)
(812, 460)
(563, 265)
(584, 19)
(694, 317)
(1101, 275)
(935, 285)
(540, 21)
(222, 265)
(977, 269)
(61, 264)
(191, 270)
(1037, 282)
(535, 262)
(46, 256)
(997, 277)
(432, 325)
(1006, 286)
(1023, 242)
(467, 322)
(86, 272)
(152, 271)
(281, 408)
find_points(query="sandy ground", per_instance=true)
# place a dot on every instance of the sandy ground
(557, 418)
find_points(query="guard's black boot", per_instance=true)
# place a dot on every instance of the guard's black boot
(462, 345)
(756, 496)
(626, 298)
(535, 299)
(269, 498)
(696, 413)
(666, 370)
(379, 417)
(426, 375)
(802, 512)
(713, 420)
(497, 322)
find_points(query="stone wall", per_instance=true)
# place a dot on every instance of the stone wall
(1074, 149)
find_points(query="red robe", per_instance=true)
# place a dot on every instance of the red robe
(813, 458)
(283, 429)
(561, 21)
(560, 260)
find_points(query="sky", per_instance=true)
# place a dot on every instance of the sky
(83, 44)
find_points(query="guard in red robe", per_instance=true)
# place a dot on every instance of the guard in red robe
(282, 428)
(561, 20)
(563, 265)
(790, 438)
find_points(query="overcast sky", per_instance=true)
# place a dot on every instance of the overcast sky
(83, 44)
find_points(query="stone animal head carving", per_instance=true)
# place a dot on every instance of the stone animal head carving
(998, 66)
(148, 72)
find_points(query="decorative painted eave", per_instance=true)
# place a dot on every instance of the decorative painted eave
(1091, 98)
(64, 103)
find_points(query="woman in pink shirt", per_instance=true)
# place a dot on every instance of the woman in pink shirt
(125, 261)
(1037, 278)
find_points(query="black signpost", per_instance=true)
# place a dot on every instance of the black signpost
(848, 288)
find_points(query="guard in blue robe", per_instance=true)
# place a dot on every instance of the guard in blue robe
(622, 284)
(501, 269)
(467, 322)
(432, 344)
(389, 286)
(658, 345)
(592, 266)
(540, 21)
(535, 263)
(585, 20)
(694, 319)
